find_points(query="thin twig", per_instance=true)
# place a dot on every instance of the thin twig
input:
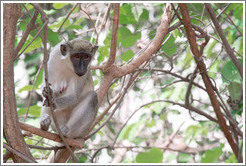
(44, 25)
(30, 26)
(32, 91)
(231, 21)
(44, 18)
(89, 19)
(112, 113)
(67, 17)
(229, 50)
(105, 18)
(46, 148)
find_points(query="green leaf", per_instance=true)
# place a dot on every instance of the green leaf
(26, 88)
(39, 79)
(126, 56)
(59, 5)
(50, 12)
(37, 43)
(78, 21)
(232, 159)
(211, 47)
(230, 73)
(144, 15)
(211, 156)
(59, 22)
(30, 59)
(192, 131)
(127, 38)
(235, 90)
(155, 155)
(52, 37)
(33, 110)
(169, 47)
(83, 159)
(126, 15)
(103, 52)
(184, 158)
(152, 34)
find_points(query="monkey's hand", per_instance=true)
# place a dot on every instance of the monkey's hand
(45, 93)
(45, 122)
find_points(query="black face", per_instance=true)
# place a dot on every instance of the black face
(80, 62)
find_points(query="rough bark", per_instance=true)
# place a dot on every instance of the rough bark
(11, 127)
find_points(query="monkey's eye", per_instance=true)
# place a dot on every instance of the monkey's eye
(86, 57)
(76, 56)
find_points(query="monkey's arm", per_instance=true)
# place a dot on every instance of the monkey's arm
(65, 101)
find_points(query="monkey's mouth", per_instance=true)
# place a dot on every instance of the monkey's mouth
(80, 73)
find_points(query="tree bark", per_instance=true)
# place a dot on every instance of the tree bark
(12, 132)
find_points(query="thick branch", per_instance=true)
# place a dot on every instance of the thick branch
(116, 71)
(12, 133)
(79, 143)
(229, 50)
(202, 67)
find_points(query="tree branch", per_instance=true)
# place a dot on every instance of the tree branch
(18, 153)
(11, 129)
(112, 55)
(45, 19)
(202, 67)
(229, 50)
(30, 26)
(79, 143)
(116, 71)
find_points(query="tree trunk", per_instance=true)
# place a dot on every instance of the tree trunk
(12, 133)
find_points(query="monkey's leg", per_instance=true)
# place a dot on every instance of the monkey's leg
(82, 117)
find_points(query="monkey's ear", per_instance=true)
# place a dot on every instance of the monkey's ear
(63, 49)
(94, 49)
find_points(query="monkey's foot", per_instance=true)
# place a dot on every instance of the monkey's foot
(45, 122)
(64, 130)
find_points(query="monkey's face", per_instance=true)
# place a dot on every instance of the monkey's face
(80, 62)
(80, 53)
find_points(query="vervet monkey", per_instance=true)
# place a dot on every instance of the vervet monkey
(73, 88)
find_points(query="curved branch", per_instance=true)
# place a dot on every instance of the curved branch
(155, 45)
(116, 71)
(229, 50)
(112, 55)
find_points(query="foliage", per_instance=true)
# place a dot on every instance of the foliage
(154, 123)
